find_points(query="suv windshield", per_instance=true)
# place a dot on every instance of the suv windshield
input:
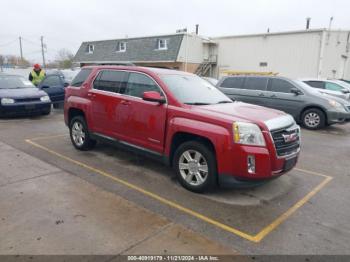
(12, 82)
(193, 90)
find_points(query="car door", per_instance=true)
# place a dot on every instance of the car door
(53, 85)
(279, 96)
(255, 90)
(105, 100)
(142, 123)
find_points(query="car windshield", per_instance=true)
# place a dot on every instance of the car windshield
(193, 90)
(13, 82)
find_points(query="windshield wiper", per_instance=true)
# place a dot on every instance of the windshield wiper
(197, 103)
(224, 102)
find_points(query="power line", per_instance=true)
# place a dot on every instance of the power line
(9, 43)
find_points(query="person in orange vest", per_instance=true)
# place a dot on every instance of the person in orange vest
(37, 75)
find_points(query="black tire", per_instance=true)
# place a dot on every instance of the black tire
(318, 115)
(87, 142)
(210, 159)
(56, 105)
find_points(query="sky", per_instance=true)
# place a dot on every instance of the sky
(67, 23)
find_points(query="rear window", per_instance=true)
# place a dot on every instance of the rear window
(232, 82)
(81, 77)
(109, 80)
(255, 83)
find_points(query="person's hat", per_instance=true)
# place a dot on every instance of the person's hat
(37, 66)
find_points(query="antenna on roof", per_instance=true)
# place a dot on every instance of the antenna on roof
(330, 23)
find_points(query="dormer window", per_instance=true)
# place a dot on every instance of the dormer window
(121, 47)
(162, 44)
(90, 49)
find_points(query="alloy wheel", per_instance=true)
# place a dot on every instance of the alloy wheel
(193, 167)
(78, 134)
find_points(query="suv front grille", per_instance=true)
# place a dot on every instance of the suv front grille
(286, 140)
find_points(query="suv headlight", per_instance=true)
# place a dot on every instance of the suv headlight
(7, 101)
(247, 134)
(45, 99)
(338, 106)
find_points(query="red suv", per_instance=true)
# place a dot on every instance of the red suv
(183, 120)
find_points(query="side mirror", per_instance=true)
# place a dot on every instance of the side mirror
(295, 91)
(66, 84)
(153, 96)
(345, 91)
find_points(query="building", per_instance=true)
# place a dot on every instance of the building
(308, 53)
(318, 53)
(187, 52)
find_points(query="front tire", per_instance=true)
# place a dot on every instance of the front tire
(79, 134)
(195, 166)
(313, 119)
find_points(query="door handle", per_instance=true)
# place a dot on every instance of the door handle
(125, 103)
(261, 94)
(273, 96)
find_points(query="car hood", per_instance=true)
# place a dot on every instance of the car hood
(239, 111)
(21, 93)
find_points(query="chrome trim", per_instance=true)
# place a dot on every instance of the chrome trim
(280, 122)
(294, 153)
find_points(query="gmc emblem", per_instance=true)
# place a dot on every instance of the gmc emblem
(290, 137)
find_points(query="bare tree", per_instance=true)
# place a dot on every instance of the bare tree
(64, 58)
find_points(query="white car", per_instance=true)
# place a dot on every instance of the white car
(331, 87)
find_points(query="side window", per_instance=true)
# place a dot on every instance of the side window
(139, 83)
(333, 86)
(52, 81)
(80, 78)
(255, 83)
(232, 82)
(316, 84)
(109, 80)
(280, 85)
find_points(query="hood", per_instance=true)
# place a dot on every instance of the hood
(239, 111)
(334, 93)
(19, 93)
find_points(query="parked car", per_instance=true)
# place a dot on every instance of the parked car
(330, 87)
(308, 107)
(55, 83)
(20, 97)
(211, 80)
(183, 120)
(345, 81)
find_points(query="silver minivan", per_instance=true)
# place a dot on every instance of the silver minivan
(312, 109)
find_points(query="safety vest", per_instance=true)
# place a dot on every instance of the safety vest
(37, 78)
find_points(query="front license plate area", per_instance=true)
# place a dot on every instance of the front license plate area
(289, 163)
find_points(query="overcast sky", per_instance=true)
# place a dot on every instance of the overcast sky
(66, 23)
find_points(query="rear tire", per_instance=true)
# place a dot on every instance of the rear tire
(195, 166)
(79, 134)
(313, 119)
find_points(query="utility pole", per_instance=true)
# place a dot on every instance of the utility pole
(20, 48)
(42, 50)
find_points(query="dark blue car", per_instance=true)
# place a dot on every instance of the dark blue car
(19, 97)
(55, 83)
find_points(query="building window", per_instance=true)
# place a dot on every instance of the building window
(121, 47)
(90, 49)
(263, 64)
(162, 44)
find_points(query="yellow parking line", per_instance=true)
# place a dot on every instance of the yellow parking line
(46, 137)
(254, 238)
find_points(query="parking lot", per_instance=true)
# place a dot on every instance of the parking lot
(57, 200)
